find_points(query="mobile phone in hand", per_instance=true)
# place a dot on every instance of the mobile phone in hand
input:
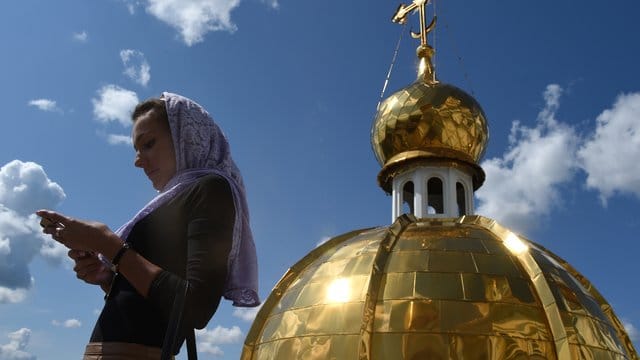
(46, 222)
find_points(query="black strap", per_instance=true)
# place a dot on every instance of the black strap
(191, 346)
(171, 336)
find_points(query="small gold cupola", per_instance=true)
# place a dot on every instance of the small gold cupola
(429, 138)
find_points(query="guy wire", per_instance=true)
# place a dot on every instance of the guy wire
(393, 61)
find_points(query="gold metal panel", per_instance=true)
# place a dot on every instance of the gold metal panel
(450, 261)
(409, 244)
(469, 347)
(541, 349)
(398, 286)
(458, 244)
(496, 265)
(438, 286)
(412, 346)
(310, 348)
(408, 316)
(493, 246)
(510, 348)
(408, 261)
(321, 292)
(288, 324)
(521, 290)
(334, 319)
(473, 287)
(493, 318)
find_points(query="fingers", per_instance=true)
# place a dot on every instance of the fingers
(52, 216)
(79, 254)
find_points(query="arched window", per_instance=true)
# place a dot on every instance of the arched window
(435, 198)
(461, 199)
(408, 193)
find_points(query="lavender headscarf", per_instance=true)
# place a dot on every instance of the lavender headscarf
(201, 149)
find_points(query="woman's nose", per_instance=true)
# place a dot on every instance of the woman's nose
(137, 162)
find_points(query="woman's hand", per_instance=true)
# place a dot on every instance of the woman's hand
(90, 269)
(89, 236)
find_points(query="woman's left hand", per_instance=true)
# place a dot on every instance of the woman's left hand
(76, 234)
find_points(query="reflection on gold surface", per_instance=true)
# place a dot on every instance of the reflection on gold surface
(446, 289)
(515, 245)
(339, 290)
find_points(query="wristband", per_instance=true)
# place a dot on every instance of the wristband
(116, 259)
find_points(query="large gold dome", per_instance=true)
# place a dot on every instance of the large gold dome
(463, 288)
(429, 120)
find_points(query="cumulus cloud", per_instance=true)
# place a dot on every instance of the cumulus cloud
(606, 156)
(246, 314)
(524, 182)
(24, 188)
(209, 340)
(631, 330)
(114, 104)
(195, 18)
(81, 36)
(69, 323)
(44, 104)
(114, 139)
(15, 349)
(136, 66)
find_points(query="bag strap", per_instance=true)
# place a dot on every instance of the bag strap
(171, 336)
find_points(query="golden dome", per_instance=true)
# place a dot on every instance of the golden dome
(429, 120)
(462, 288)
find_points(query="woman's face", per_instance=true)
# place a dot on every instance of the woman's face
(154, 149)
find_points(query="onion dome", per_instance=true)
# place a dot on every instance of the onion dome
(463, 288)
(426, 122)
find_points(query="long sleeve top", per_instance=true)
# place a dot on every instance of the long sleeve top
(189, 237)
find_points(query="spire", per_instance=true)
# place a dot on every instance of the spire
(425, 52)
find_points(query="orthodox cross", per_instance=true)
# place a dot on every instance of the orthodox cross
(425, 52)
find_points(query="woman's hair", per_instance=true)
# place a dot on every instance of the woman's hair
(154, 104)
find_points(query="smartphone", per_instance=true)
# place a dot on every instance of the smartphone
(46, 222)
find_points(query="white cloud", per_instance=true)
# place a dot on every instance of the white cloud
(44, 104)
(525, 181)
(608, 155)
(15, 349)
(131, 5)
(81, 36)
(24, 188)
(323, 240)
(114, 104)
(114, 139)
(69, 323)
(208, 340)
(631, 330)
(272, 3)
(246, 314)
(194, 18)
(136, 66)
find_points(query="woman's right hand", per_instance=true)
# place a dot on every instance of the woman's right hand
(90, 268)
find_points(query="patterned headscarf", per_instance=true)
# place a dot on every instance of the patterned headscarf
(201, 149)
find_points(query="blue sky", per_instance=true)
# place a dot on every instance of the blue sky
(294, 85)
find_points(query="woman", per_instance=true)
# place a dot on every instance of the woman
(195, 232)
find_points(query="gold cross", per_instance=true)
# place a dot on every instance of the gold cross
(400, 17)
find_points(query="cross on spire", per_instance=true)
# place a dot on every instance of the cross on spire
(425, 52)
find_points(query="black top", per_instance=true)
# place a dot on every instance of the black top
(189, 237)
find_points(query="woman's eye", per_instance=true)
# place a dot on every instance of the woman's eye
(149, 144)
